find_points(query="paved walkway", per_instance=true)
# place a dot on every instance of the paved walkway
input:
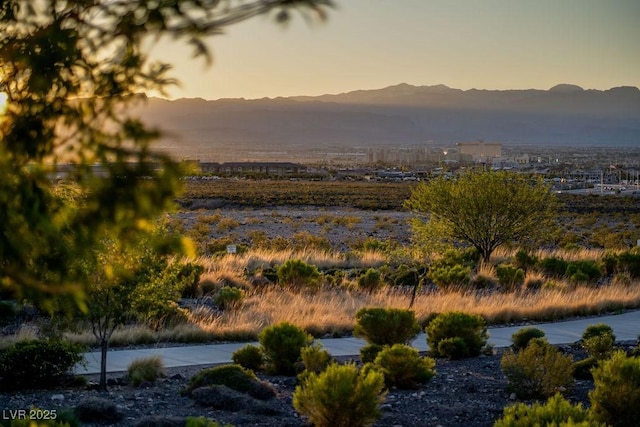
(625, 326)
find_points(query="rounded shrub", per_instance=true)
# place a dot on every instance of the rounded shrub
(470, 328)
(281, 346)
(553, 266)
(369, 352)
(386, 326)
(37, 363)
(450, 276)
(597, 329)
(557, 411)
(233, 376)
(249, 357)
(341, 396)
(509, 277)
(522, 337)
(315, 358)
(453, 348)
(615, 398)
(403, 367)
(524, 260)
(297, 274)
(370, 280)
(145, 369)
(229, 297)
(537, 371)
(587, 271)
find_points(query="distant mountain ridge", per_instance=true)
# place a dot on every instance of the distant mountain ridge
(565, 115)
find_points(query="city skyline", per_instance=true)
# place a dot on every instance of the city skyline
(367, 44)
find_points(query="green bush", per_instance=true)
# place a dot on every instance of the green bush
(145, 369)
(203, 422)
(281, 346)
(556, 412)
(249, 357)
(340, 396)
(386, 326)
(597, 329)
(369, 352)
(615, 398)
(315, 358)
(229, 297)
(453, 348)
(524, 260)
(553, 266)
(509, 276)
(447, 277)
(537, 371)
(370, 280)
(598, 340)
(37, 364)
(298, 274)
(630, 262)
(522, 337)
(470, 327)
(232, 376)
(403, 367)
(583, 271)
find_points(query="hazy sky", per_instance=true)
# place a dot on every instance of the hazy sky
(366, 44)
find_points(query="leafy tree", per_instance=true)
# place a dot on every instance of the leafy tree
(482, 209)
(70, 71)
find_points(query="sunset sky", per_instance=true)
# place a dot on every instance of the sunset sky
(367, 44)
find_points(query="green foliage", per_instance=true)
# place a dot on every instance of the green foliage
(630, 262)
(484, 209)
(447, 277)
(386, 326)
(229, 297)
(582, 368)
(340, 396)
(403, 367)
(369, 352)
(203, 422)
(37, 364)
(599, 347)
(453, 348)
(249, 357)
(583, 271)
(298, 274)
(470, 327)
(537, 371)
(370, 280)
(232, 376)
(557, 412)
(509, 276)
(315, 358)
(145, 369)
(553, 266)
(524, 260)
(281, 346)
(522, 337)
(615, 398)
(597, 329)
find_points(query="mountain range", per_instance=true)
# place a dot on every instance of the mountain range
(400, 115)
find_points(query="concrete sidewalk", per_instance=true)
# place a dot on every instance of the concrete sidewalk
(625, 326)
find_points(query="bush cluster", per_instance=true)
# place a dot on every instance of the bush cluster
(281, 345)
(403, 367)
(37, 363)
(386, 326)
(557, 411)
(469, 329)
(298, 275)
(509, 276)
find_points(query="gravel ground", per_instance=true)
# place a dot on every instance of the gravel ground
(470, 393)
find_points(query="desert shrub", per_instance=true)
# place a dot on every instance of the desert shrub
(145, 369)
(583, 271)
(96, 410)
(597, 330)
(453, 348)
(630, 262)
(537, 371)
(315, 358)
(281, 346)
(233, 376)
(446, 277)
(37, 364)
(403, 367)
(298, 274)
(483, 281)
(470, 327)
(598, 340)
(203, 422)
(369, 352)
(509, 276)
(553, 266)
(340, 396)
(229, 297)
(557, 412)
(407, 276)
(249, 357)
(524, 260)
(615, 398)
(370, 280)
(386, 326)
(522, 337)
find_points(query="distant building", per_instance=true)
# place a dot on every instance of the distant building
(262, 168)
(480, 151)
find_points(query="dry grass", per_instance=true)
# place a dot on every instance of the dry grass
(332, 311)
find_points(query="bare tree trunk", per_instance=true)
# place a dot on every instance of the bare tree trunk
(104, 345)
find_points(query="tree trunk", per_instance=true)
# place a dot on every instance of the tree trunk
(104, 345)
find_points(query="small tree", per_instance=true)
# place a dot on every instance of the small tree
(483, 209)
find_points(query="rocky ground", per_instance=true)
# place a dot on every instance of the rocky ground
(468, 393)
